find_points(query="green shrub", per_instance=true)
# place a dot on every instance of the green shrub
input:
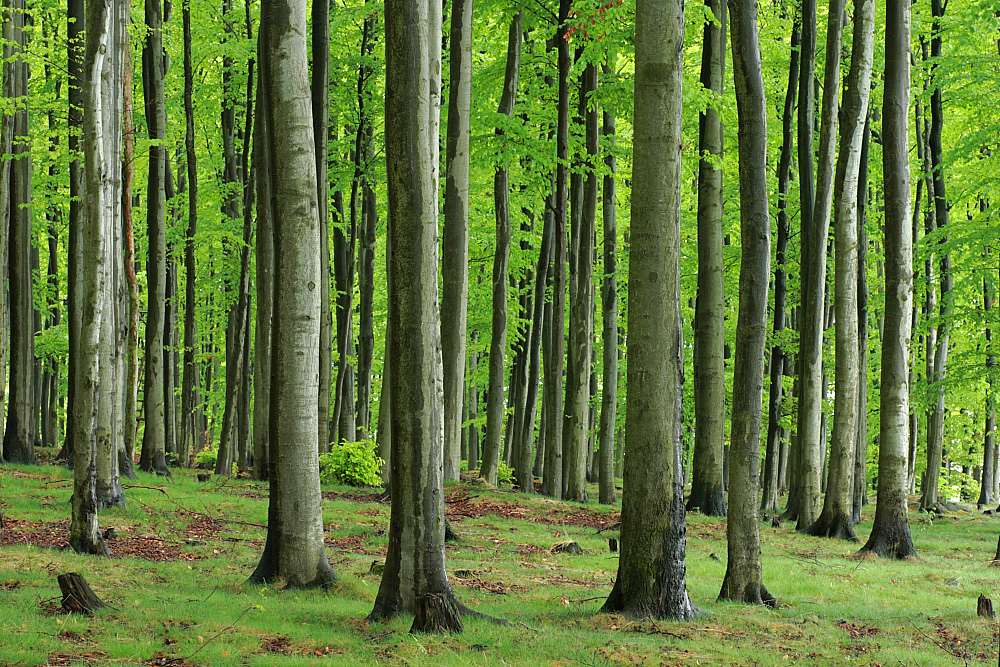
(354, 463)
(505, 474)
(206, 458)
(463, 466)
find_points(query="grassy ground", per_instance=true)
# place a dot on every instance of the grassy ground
(184, 549)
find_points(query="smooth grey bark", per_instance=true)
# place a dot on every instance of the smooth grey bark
(835, 520)
(552, 482)
(859, 495)
(94, 376)
(152, 457)
(294, 549)
(779, 360)
(189, 421)
(366, 251)
(807, 197)
(743, 579)
(935, 427)
(415, 577)
(651, 569)
(264, 264)
(890, 536)
(22, 421)
(986, 483)
(609, 316)
(320, 95)
(455, 242)
(581, 335)
(811, 441)
(707, 488)
(501, 260)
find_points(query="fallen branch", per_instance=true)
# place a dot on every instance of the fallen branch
(220, 632)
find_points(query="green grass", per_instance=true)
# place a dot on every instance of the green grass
(834, 610)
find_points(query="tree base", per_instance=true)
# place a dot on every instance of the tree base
(436, 613)
(638, 610)
(449, 533)
(707, 500)
(78, 598)
(753, 593)
(833, 525)
(266, 572)
(898, 545)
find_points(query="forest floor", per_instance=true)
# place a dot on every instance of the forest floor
(183, 550)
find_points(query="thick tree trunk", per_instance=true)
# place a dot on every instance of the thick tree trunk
(501, 205)
(779, 361)
(743, 580)
(651, 570)
(152, 458)
(935, 427)
(455, 246)
(890, 536)
(835, 520)
(294, 549)
(609, 315)
(707, 489)
(22, 421)
(415, 571)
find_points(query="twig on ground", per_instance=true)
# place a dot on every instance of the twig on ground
(522, 623)
(599, 597)
(220, 632)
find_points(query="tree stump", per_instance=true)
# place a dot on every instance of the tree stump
(612, 545)
(984, 607)
(436, 613)
(78, 598)
(996, 557)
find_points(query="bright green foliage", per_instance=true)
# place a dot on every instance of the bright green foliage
(206, 459)
(353, 463)
(505, 475)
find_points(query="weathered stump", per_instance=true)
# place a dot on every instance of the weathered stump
(436, 613)
(612, 545)
(78, 598)
(570, 547)
(984, 607)
(204, 476)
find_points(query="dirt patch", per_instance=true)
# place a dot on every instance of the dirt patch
(163, 660)
(460, 505)
(55, 535)
(377, 497)
(90, 657)
(475, 582)
(356, 544)
(857, 631)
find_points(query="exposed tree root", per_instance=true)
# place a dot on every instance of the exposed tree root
(834, 525)
(751, 593)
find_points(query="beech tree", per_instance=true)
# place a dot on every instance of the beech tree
(294, 549)
(890, 536)
(651, 569)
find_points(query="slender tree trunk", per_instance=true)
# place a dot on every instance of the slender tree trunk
(935, 428)
(264, 258)
(320, 90)
(501, 204)
(835, 520)
(609, 314)
(707, 489)
(778, 362)
(455, 246)
(553, 481)
(154, 435)
(189, 440)
(743, 580)
(859, 495)
(651, 570)
(22, 421)
(6, 141)
(890, 536)
(294, 549)
(986, 483)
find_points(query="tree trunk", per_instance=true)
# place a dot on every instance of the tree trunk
(22, 422)
(651, 570)
(707, 489)
(189, 439)
(455, 246)
(264, 259)
(779, 361)
(581, 334)
(6, 140)
(294, 549)
(935, 427)
(415, 565)
(890, 536)
(859, 494)
(743, 580)
(152, 458)
(835, 520)
(609, 315)
(986, 483)
(320, 96)
(95, 386)
(501, 204)
(553, 477)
